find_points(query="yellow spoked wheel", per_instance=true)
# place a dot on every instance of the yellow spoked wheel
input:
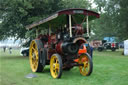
(34, 56)
(86, 64)
(56, 66)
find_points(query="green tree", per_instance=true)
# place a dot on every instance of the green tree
(123, 19)
(76, 4)
(19, 13)
(16, 14)
(113, 20)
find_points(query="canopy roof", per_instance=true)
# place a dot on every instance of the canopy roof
(60, 18)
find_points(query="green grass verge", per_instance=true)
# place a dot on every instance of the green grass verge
(110, 68)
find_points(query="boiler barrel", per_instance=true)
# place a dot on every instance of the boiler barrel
(67, 48)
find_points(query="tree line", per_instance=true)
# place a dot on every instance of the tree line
(113, 20)
(16, 14)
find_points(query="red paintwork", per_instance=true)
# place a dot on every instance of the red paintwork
(63, 12)
(53, 46)
(58, 47)
(83, 60)
(85, 12)
(51, 40)
(113, 45)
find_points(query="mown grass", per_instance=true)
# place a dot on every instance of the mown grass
(110, 68)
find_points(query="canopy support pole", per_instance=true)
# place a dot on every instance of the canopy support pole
(87, 26)
(70, 25)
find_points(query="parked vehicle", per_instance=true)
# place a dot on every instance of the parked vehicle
(108, 45)
(121, 44)
(24, 52)
(58, 45)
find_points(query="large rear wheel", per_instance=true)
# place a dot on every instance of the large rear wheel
(86, 66)
(35, 54)
(56, 66)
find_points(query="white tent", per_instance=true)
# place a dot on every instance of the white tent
(126, 47)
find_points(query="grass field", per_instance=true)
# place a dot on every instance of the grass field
(110, 68)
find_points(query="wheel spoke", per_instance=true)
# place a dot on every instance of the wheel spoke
(33, 60)
(85, 64)
(33, 48)
(85, 69)
(57, 66)
(36, 61)
(55, 71)
(34, 66)
(88, 66)
(36, 52)
(56, 61)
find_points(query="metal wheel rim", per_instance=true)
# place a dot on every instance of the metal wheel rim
(86, 65)
(33, 56)
(54, 66)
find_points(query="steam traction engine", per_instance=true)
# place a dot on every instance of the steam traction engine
(60, 47)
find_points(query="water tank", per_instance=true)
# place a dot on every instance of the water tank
(126, 47)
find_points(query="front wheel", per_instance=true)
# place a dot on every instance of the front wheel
(56, 66)
(86, 66)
